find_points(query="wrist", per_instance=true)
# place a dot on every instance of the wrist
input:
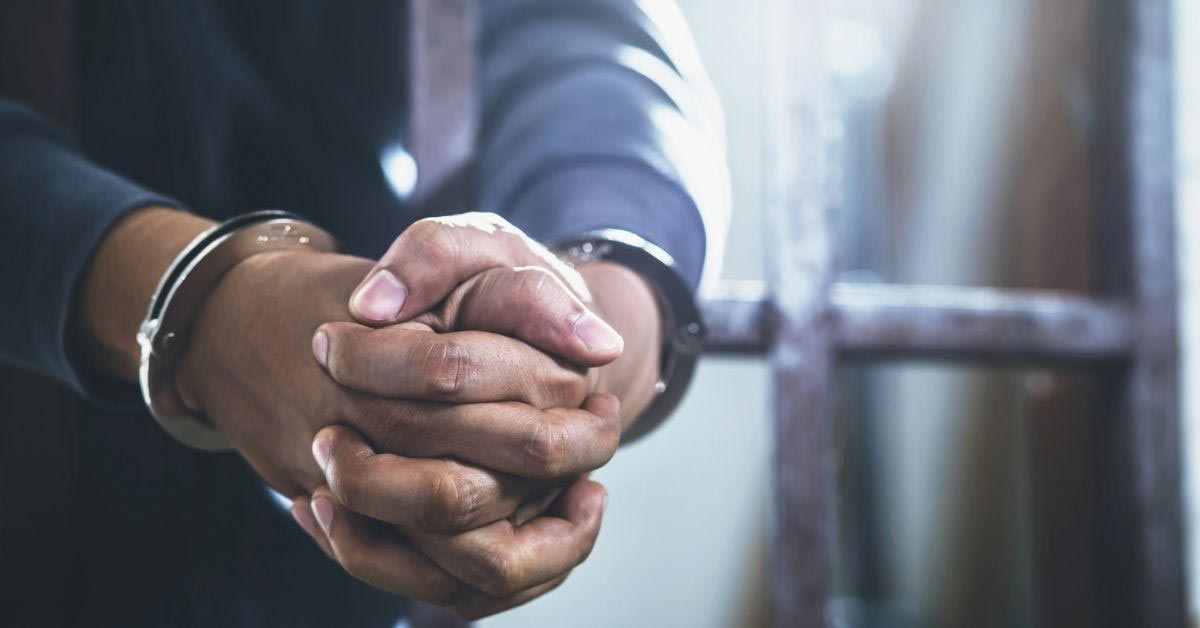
(297, 290)
(120, 281)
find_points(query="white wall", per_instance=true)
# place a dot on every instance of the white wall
(682, 543)
(1187, 116)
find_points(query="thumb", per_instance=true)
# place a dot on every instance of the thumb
(435, 255)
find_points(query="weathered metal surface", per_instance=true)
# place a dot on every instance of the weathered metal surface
(1141, 514)
(443, 114)
(800, 272)
(737, 315)
(978, 324)
(936, 322)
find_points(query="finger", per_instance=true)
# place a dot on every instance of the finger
(380, 557)
(464, 367)
(502, 559)
(302, 513)
(434, 255)
(532, 304)
(509, 437)
(536, 506)
(477, 607)
(436, 495)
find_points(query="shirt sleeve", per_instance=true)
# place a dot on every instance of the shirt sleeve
(597, 114)
(56, 207)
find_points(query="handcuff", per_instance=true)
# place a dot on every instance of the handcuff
(195, 270)
(683, 330)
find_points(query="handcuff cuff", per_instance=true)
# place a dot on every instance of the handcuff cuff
(197, 269)
(164, 332)
(683, 330)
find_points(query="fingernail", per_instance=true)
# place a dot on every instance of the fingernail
(604, 502)
(323, 510)
(320, 450)
(320, 347)
(596, 335)
(304, 519)
(381, 298)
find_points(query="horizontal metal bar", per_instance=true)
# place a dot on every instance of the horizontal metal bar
(954, 323)
(737, 314)
(978, 323)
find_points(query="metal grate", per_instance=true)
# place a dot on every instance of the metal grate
(806, 323)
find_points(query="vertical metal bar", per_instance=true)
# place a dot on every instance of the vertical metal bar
(1154, 422)
(800, 275)
(1141, 512)
(442, 116)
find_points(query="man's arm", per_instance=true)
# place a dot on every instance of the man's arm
(57, 207)
(597, 114)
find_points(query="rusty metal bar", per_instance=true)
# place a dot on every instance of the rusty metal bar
(978, 324)
(949, 323)
(800, 257)
(1141, 484)
(738, 317)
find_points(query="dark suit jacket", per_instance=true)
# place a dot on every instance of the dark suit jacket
(594, 114)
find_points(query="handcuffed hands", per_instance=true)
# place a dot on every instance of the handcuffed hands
(437, 446)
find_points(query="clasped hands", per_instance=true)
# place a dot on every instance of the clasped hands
(434, 415)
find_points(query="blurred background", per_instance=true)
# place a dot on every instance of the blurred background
(955, 485)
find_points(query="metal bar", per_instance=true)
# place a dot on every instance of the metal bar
(978, 324)
(738, 318)
(1150, 427)
(800, 262)
(949, 323)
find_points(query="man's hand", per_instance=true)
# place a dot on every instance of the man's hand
(476, 272)
(249, 369)
(467, 448)
(493, 567)
(515, 287)
(379, 556)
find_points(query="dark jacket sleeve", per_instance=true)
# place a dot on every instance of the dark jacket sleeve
(597, 114)
(55, 208)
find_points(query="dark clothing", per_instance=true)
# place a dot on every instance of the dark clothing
(595, 114)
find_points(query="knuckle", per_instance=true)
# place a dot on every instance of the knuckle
(496, 573)
(440, 588)
(535, 284)
(609, 436)
(446, 367)
(586, 550)
(456, 499)
(570, 388)
(435, 240)
(492, 218)
(545, 448)
(353, 561)
(388, 423)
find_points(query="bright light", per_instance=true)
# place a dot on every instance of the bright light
(400, 169)
(852, 48)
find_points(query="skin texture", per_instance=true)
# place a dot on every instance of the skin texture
(452, 435)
